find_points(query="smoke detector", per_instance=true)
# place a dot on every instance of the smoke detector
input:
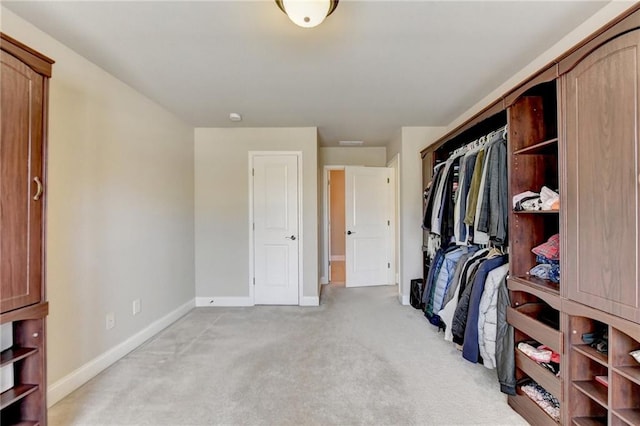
(350, 143)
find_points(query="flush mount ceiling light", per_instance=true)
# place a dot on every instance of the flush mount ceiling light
(307, 13)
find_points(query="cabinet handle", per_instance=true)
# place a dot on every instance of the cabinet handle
(39, 190)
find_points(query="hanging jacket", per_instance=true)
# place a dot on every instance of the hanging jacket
(505, 343)
(487, 316)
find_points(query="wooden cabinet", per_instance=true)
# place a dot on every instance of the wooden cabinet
(23, 126)
(21, 182)
(602, 175)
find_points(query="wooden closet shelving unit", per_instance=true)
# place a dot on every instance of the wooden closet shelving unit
(575, 127)
(25, 81)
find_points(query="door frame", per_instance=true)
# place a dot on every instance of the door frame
(394, 165)
(326, 239)
(252, 155)
(395, 229)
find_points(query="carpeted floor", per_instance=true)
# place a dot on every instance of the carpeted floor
(359, 358)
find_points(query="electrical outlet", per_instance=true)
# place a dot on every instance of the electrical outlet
(136, 307)
(110, 321)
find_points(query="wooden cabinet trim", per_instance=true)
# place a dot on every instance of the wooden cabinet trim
(626, 22)
(36, 60)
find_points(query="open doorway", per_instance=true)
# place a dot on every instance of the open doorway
(359, 226)
(336, 227)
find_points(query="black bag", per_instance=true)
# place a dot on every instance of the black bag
(415, 298)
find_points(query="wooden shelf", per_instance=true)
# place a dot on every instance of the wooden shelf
(589, 421)
(541, 375)
(536, 212)
(593, 390)
(14, 394)
(531, 411)
(15, 354)
(545, 148)
(629, 415)
(520, 318)
(543, 289)
(631, 373)
(589, 352)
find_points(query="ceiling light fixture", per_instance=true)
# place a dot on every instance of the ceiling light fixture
(350, 143)
(307, 13)
(234, 116)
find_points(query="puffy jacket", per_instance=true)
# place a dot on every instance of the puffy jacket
(487, 317)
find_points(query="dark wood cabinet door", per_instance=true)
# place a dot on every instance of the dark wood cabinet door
(602, 107)
(21, 180)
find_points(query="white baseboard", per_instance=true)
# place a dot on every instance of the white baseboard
(309, 301)
(223, 301)
(403, 299)
(324, 280)
(63, 387)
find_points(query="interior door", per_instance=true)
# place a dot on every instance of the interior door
(276, 239)
(368, 203)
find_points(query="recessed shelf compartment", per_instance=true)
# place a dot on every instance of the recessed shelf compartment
(629, 416)
(590, 421)
(548, 147)
(525, 318)
(15, 394)
(593, 390)
(590, 352)
(15, 354)
(546, 290)
(531, 411)
(555, 212)
(541, 375)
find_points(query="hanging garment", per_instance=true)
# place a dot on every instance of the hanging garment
(459, 322)
(467, 165)
(446, 314)
(488, 314)
(492, 219)
(430, 196)
(470, 349)
(480, 237)
(474, 188)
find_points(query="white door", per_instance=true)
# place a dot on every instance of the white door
(368, 203)
(276, 239)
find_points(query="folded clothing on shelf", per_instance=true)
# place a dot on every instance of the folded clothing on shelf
(544, 399)
(549, 249)
(547, 199)
(538, 355)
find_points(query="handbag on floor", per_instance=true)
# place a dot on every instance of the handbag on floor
(415, 298)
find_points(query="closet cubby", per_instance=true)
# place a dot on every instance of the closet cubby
(617, 402)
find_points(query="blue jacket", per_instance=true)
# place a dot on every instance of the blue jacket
(470, 349)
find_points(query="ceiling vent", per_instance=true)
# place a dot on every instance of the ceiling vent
(350, 143)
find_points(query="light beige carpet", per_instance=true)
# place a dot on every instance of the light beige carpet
(359, 358)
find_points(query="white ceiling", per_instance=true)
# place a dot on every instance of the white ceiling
(370, 68)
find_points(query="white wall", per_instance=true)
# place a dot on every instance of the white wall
(222, 207)
(119, 216)
(353, 156)
(412, 141)
(340, 156)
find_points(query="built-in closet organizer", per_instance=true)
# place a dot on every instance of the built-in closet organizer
(23, 307)
(575, 127)
(535, 302)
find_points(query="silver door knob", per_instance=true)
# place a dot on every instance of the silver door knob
(292, 238)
